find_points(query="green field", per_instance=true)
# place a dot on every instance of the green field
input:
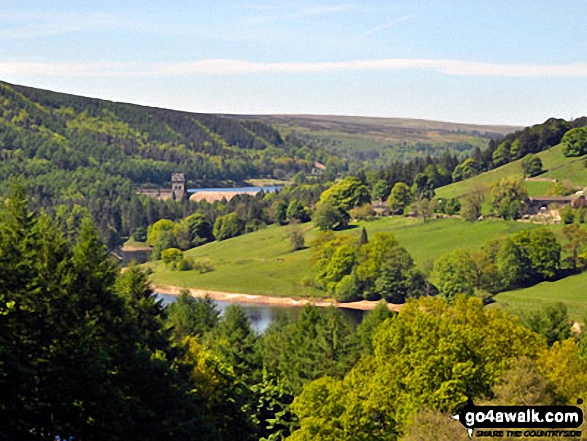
(570, 291)
(557, 166)
(261, 263)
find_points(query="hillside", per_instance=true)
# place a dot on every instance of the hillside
(272, 269)
(142, 144)
(555, 164)
(383, 139)
(570, 291)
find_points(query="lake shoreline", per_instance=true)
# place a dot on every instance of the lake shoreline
(363, 305)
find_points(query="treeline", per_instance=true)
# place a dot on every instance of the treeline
(356, 267)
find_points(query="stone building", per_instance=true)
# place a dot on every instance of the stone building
(177, 192)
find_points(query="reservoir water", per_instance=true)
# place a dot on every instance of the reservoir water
(267, 188)
(261, 316)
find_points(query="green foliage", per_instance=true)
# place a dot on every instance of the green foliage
(200, 230)
(473, 204)
(202, 265)
(508, 197)
(318, 343)
(393, 278)
(351, 269)
(140, 234)
(567, 214)
(271, 412)
(576, 242)
(531, 165)
(165, 240)
(364, 212)
(227, 398)
(155, 230)
(399, 198)
(171, 257)
(454, 274)
(297, 212)
(279, 210)
(329, 217)
(234, 342)
(346, 194)
(559, 188)
(449, 206)
(501, 155)
(190, 316)
(296, 237)
(575, 142)
(418, 361)
(347, 289)
(550, 321)
(228, 226)
(369, 325)
(529, 257)
(380, 190)
(74, 352)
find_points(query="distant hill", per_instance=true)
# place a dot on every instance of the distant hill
(383, 139)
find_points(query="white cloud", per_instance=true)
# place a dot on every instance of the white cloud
(25, 25)
(304, 12)
(387, 25)
(245, 67)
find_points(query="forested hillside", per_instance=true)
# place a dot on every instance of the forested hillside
(45, 132)
(81, 154)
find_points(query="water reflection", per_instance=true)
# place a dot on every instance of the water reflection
(261, 316)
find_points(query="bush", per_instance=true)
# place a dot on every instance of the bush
(228, 226)
(172, 257)
(140, 234)
(329, 217)
(567, 215)
(363, 212)
(575, 142)
(580, 215)
(185, 264)
(203, 266)
(346, 290)
(296, 237)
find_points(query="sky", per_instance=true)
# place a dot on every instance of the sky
(514, 62)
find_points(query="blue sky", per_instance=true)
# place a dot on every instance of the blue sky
(477, 61)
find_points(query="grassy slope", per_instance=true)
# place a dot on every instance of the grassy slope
(261, 263)
(557, 166)
(570, 291)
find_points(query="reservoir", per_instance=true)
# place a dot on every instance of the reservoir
(261, 316)
(267, 188)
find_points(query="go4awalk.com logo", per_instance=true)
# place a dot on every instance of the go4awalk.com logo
(521, 421)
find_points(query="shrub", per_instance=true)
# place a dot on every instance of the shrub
(346, 290)
(363, 212)
(296, 237)
(203, 266)
(140, 234)
(567, 215)
(171, 257)
(575, 142)
(185, 264)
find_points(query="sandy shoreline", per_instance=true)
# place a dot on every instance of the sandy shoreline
(364, 305)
